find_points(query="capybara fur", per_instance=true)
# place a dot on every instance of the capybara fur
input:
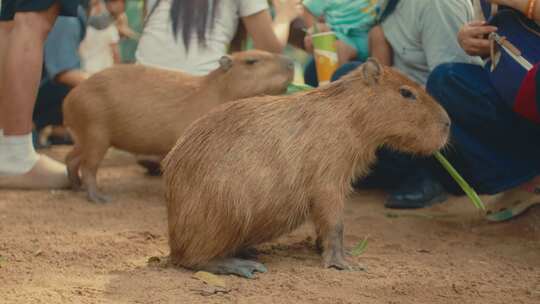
(255, 169)
(144, 110)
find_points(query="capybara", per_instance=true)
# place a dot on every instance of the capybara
(144, 110)
(255, 169)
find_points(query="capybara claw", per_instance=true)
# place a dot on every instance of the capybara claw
(239, 267)
(247, 269)
(338, 264)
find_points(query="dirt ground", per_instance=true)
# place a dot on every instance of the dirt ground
(55, 247)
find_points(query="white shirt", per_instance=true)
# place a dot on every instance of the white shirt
(423, 35)
(96, 52)
(159, 48)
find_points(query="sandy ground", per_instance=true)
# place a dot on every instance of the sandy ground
(55, 247)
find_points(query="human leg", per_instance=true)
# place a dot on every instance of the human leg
(345, 69)
(20, 166)
(5, 31)
(492, 147)
(310, 73)
(345, 52)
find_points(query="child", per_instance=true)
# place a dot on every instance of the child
(351, 20)
(99, 50)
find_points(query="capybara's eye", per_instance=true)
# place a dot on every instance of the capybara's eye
(251, 61)
(407, 94)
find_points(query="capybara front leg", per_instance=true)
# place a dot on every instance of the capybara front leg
(333, 252)
(239, 267)
(328, 219)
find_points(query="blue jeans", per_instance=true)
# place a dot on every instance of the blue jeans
(491, 146)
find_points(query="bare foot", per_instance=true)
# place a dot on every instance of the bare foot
(47, 173)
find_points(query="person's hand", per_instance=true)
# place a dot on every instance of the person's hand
(472, 38)
(288, 9)
(124, 29)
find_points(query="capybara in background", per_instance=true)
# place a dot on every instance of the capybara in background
(255, 169)
(144, 110)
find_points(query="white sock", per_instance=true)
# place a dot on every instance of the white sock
(17, 155)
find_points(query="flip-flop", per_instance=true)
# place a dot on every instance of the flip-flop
(512, 204)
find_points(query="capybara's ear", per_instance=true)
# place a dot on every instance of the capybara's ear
(372, 71)
(225, 62)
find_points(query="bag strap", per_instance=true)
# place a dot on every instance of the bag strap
(387, 10)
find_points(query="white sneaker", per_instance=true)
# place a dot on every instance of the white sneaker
(47, 173)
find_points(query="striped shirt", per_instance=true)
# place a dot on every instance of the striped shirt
(344, 16)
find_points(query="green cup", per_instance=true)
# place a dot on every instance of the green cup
(326, 60)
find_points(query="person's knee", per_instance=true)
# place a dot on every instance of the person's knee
(345, 69)
(36, 23)
(441, 78)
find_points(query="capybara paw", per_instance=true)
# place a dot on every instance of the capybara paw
(152, 167)
(239, 267)
(98, 198)
(337, 263)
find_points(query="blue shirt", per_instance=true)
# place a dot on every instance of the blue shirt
(62, 46)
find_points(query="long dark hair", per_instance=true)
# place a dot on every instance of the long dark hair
(190, 16)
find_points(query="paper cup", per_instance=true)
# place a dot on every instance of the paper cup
(326, 60)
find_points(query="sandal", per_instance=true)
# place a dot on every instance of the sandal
(514, 202)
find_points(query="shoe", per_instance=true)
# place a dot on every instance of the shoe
(47, 173)
(419, 192)
(514, 202)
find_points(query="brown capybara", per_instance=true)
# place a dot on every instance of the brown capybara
(255, 169)
(144, 110)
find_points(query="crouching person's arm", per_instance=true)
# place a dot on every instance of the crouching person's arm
(379, 47)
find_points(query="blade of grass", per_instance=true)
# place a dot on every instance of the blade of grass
(473, 196)
(360, 248)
